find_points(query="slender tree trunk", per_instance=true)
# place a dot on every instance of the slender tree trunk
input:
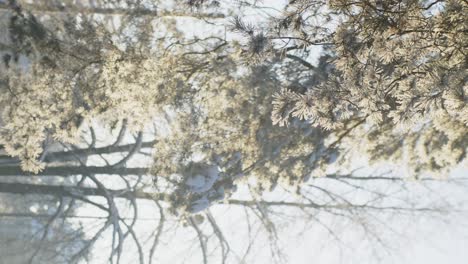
(76, 9)
(57, 156)
(73, 191)
(80, 153)
(73, 170)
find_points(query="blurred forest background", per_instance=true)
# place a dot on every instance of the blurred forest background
(204, 131)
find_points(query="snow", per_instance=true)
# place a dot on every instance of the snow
(205, 187)
(197, 183)
(204, 180)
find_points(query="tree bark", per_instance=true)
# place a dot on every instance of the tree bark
(73, 170)
(73, 191)
(75, 9)
(80, 153)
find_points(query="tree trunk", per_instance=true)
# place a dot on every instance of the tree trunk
(73, 170)
(73, 191)
(76, 9)
(80, 153)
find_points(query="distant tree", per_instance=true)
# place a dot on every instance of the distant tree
(25, 237)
